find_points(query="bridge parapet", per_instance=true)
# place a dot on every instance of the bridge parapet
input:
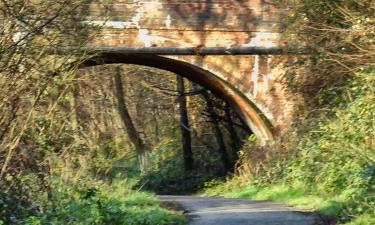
(214, 23)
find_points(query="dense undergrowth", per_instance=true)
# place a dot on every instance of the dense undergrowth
(88, 201)
(327, 161)
(165, 173)
(332, 169)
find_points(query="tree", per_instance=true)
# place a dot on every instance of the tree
(184, 125)
(217, 130)
(234, 139)
(33, 83)
(124, 113)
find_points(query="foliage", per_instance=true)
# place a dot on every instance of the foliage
(33, 81)
(165, 173)
(59, 124)
(335, 151)
(93, 202)
(327, 160)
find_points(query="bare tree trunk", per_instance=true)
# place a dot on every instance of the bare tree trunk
(156, 127)
(234, 139)
(124, 113)
(74, 112)
(218, 134)
(184, 124)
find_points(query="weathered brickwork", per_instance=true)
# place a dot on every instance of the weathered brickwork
(254, 84)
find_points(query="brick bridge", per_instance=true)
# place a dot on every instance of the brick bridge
(232, 47)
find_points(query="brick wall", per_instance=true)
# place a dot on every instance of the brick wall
(256, 80)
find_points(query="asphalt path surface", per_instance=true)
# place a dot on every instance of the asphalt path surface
(224, 211)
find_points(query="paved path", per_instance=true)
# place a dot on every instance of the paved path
(223, 211)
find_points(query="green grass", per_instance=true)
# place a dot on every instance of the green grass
(297, 195)
(96, 203)
(331, 170)
(364, 220)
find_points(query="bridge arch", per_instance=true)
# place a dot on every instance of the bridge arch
(245, 108)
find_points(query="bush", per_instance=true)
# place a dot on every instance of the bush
(164, 172)
(92, 202)
(330, 149)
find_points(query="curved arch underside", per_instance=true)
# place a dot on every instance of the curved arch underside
(251, 114)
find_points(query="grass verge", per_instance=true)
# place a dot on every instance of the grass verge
(338, 206)
(95, 203)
